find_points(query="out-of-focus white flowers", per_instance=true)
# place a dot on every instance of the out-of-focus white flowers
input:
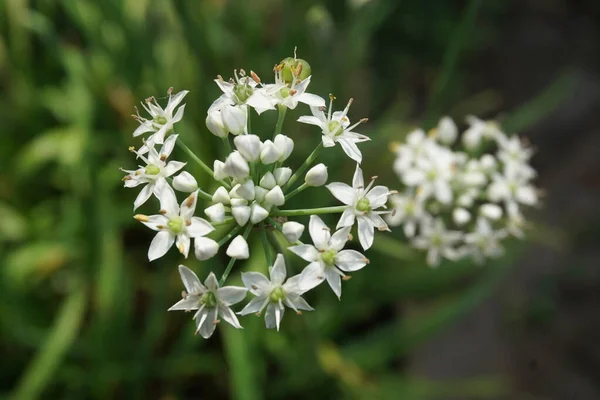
(462, 195)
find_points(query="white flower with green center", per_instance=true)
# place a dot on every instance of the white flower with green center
(274, 293)
(210, 300)
(242, 91)
(408, 211)
(162, 120)
(336, 128)
(438, 241)
(327, 259)
(154, 173)
(484, 241)
(512, 188)
(362, 205)
(289, 92)
(174, 224)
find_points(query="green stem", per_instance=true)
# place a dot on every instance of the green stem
(296, 191)
(280, 117)
(311, 158)
(226, 221)
(231, 234)
(232, 261)
(204, 167)
(265, 242)
(227, 144)
(249, 121)
(309, 211)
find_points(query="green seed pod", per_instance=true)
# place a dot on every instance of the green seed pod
(294, 68)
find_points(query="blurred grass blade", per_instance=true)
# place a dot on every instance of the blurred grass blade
(41, 369)
(243, 383)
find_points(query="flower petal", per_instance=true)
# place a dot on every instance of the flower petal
(308, 119)
(319, 232)
(211, 282)
(350, 260)
(378, 196)
(143, 196)
(342, 192)
(306, 252)
(161, 243)
(277, 271)
(188, 207)
(168, 200)
(190, 281)
(208, 324)
(334, 280)
(183, 244)
(273, 316)
(339, 238)
(230, 295)
(347, 218)
(229, 316)
(255, 305)
(257, 283)
(311, 276)
(298, 302)
(311, 99)
(187, 304)
(199, 227)
(365, 232)
(351, 149)
(357, 180)
(172, 167)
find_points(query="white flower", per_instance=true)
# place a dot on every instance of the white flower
(512, 187)
(327, 259)
(432, 174)
(221, 195)
(154, 173)
(515, 155)
(292, 231)
(362, 203)
(491, 211)
(461, 216)
(219, 170)
(210, 300)
(479, 130)
(185, 182)
(407, 154)
(275, 197)
(438, 241)
(289, 96)
(484, 241)
(174, 224)
(162, 119)
(241, 92)
(236, 166)
(238, 248)
(316, 176)
(408, 211)
(282, 175)
(446, 130)
(274, 293)
(336, 128)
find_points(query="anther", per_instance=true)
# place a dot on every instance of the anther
(293, 92)
(346, 277)
(254, 287)
(132, 149)
(126, 178)
(138, 172)
(366, 260)
(141, 217)
(219, 77)
(180, 248)
(331, 97)
(363, 120)
(190, 201)
(216, 321)
(242, 72)
(393, 212)
(163, 157)
(160, 226)
(163, 212)
(170, 91)
(188, 222)
(184, 294)
(350, 237)
(254, 77)
(257, 314)
(298, 312)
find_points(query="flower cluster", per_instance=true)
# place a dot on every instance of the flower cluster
(252, 185)
(462, 196)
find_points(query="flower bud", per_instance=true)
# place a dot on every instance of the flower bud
(275, 196)
(241, 214)
(185, 182)
(282, 175)
(238, 248)
(246, 190)
(216, 212)
(461, 216)
(235, 118)
(260, 193)
(491, 211)
(488, 163)
(248, 146)
(221, 196)
(236, 166)
(237, 202)
(257, 213)
(316, 176)
(205, 248)
(294, 68)
(219, 170)
(214, 123)
(285, 145)
(447, 131)
(292, 231)
(269, 153)
(268, 181)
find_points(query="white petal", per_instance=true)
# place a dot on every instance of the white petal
(443, 192)
(211, 282)
(335, 281)
(277, 271)
(199, 227)
(311, 120)
(319, 232)
(241, 214)
(342, 192)
(351, 150)
(357, 180)
(413, 177)
(259, 102)
(185, 182)
(172, 167)
(350, 260)
(168, 201)
(190, 280)
(347, 218)
(216, 212)
(221, 196)
(310, 99)
(292, 231)
(208, 325)
(311, 276)
(205, 248)
(174, 101)
(378, 196)
(229, 316)
(282, 175)
(306, 252)
(257, 213)
(365, 232)
(230, 295)
(275, 196)
(238, 248)
(255, 305)
(298, 302)
(161, 243)
(156, 222)
(338, 239)
(187, 304)
(257, 283)
(188, 206)
(183, 244)
(273, 316)
(143, 196)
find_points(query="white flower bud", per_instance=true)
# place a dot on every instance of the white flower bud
(488, 163)
(461, 216)
(241, 214)
(491, 211)
(472, 137)
(237, 202)
(219, 170)
(205, 248)
(257, 213)
(282, 175)
(316, 176)
(216, 212)
(214, 123)
(275, 196)
(246, 190)
(248, 146)
(235, 118)
(268, 181)
(236, 166)
(447, 130)
(269, 153)
(285, 145)
(260, 193)
(238, 248)
(221, 196)
(292, 231)
(185, 182)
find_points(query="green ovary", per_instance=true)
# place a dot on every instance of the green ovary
(276, 295)
(175, 225)
(160, 120)
(363, 205)
(242, 92)
(209, 300)
(152, 170)
(335, 128)
(328, 257)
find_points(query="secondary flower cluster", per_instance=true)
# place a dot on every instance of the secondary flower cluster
(462, 196)
(253, 185)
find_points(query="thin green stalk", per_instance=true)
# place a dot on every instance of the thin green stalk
(311, 158)
(280, 117)
(227, 144)
(265, 242)
(232, 261)
(204, 167)
(309, 211)
(249, 121)
(296, 191)
(231, 234)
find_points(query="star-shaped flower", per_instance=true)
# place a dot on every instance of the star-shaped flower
(336, 128)
(174, 224)
(438, 241)
(274, 293)
(362, 203)
(154, 173)
(242, 91)
(162, 120)
(484, 241)
(210, 300)
(326, 257)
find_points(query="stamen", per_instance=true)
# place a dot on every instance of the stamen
(188, 222)
(293, 92)
(190, 201)
(216, 321)
(219, 77)
(346, 277)
(160, 226)
(254, 287)
(331, 99)
(184, 294)
(255, 77)
(141, 217)
(163, 212)
(347, 107)
(366, 260)
(242, 72)
(295, 48)
(181, 248)
(170, 91)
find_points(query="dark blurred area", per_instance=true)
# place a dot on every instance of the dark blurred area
(82, 312)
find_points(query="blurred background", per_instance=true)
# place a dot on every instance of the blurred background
(82, 312)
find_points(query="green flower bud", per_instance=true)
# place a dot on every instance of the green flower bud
(294, 68)
(363, 205)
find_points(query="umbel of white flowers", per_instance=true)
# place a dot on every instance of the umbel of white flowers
(462, 194)
(252, 185)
